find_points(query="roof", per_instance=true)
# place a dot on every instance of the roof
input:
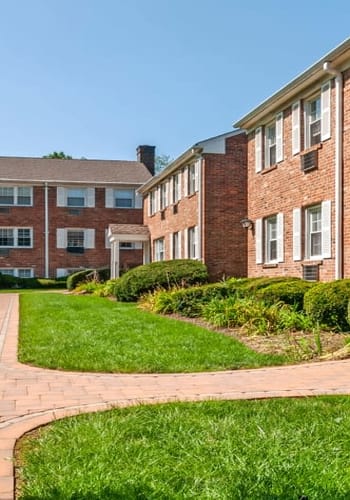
(55, 171)
(339, 59)
(214, 145)
(132, 229)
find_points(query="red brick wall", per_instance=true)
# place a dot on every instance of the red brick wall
(224, 241)
(285, 187)
(224, 203)
(97, 218)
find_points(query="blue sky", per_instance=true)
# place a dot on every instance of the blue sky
(96, 78)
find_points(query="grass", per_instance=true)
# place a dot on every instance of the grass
(252, 450)
(94, 334)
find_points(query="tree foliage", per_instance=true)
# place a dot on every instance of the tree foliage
(161, 161)
(58, 155)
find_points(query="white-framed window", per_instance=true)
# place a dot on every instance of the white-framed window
(318, 116)
(124, 198)
(316, 220)
(16, 195)
(75, 197)
(176, 245)
(271, 239)
(159, 250)
(269, 139)
(191, 179)
(270, 144)
(20, 272)
(314, 232)
(153, 202)
(176, 187)
(16, 237)
(192, 242)
(163, 195)
(75, 238)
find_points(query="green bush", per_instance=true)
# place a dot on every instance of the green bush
(77, 278)
(165, 274)
(290, 292)
(327, 304)
(250, 287)
(7, 281)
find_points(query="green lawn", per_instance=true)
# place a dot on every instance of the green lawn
(248, 450)
(94, 334)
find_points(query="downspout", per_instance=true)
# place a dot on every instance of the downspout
(46, 230)
(339, 252)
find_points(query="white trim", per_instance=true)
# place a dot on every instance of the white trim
(296, 128)
(296, 234)
(258, 150)
(326, 111)
(279, 137)
(109, 198)
(258, 242)
(326, 210)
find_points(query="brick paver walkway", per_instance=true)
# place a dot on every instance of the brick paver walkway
(30, 397)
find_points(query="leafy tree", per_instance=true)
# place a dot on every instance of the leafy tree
(58, 155)
(161, 161)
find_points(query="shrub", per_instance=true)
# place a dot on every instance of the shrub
(327, 303)
(7, 281)
(290, 292)
(251, 286)
(165, 274)
(75, 279)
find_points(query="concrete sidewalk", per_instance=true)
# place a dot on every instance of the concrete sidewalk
(30, 397)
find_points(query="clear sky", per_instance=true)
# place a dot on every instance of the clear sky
(96, 78)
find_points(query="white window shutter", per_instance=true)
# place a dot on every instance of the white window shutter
(61, 238)
(180, 245)
(326, 111)
(138, 200)
(107, 242)
(157, 199)
(90, 197)
(171, 189)
(326, 229)
(258, 149)
(180, 185)
(185, 179)
(61, 196)
(296, 128)
(280, 238)
(196, 179)
(186, 254)
(171, 246)
(296, 234)
(258, 242)
(109, 201)
(89, 238)
(196, 239)
(279, 137)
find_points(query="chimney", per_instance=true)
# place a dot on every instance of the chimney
(146, 155)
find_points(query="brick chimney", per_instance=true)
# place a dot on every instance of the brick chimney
(146, 155)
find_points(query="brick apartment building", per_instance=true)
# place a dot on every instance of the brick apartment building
(54, 214)
(193, 208)
(299, 174)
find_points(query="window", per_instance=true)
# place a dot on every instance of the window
(316, 221)
(176, 187)
(76, 197)
(314, 232)
(313, 122)
(163, 196)
(318, 117)
(191, 172)
(124, 198)
(271, 239)
(75, 239)
(15, 237)
(159, 249)
(152, 202)
(18, 272)
(270, 145)
(192, 243)
(20, 196)
(126, 245)
(176, 250)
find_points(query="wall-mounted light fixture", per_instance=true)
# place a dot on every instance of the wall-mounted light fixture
(247, 223)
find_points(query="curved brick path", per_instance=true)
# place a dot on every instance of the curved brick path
(30, 396)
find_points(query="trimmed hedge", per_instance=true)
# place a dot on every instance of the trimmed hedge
(327, 304)
(75, 279)
(7, 281)
(290, 292)
(165, 274)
